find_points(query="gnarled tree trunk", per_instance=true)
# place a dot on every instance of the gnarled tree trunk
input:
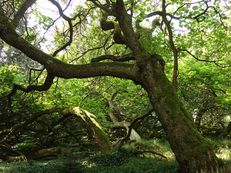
(192, 151)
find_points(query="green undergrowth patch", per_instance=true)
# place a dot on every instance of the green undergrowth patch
(113, 162)
(132, 165)
(61, 165)
(126, 160)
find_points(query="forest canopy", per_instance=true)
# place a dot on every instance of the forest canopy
(99, 76)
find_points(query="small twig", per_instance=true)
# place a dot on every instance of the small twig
(202, 60)
(30, 74)
(68, 43)
(101, 6)
(92, 49)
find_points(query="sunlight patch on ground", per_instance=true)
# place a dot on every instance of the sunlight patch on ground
(5, 167)
(224, 154)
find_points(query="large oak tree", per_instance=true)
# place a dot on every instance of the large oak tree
(192, 151)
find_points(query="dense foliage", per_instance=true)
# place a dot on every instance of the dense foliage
(189, 40)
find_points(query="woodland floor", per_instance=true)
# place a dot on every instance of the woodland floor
(113, 162)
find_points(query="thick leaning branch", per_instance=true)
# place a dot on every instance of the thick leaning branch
(57, 67)
(125, 23)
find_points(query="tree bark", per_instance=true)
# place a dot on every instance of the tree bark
(192, 151)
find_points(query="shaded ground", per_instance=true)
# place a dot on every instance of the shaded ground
(114, 162)
(64, 165)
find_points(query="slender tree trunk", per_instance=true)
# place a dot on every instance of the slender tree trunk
(192, 151)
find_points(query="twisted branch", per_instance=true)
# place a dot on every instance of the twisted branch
(68, 19)
(132, 125)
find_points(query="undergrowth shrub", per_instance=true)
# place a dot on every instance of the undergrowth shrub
(113, 158)
(125, 161)
(136, 165)
(63, 165)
